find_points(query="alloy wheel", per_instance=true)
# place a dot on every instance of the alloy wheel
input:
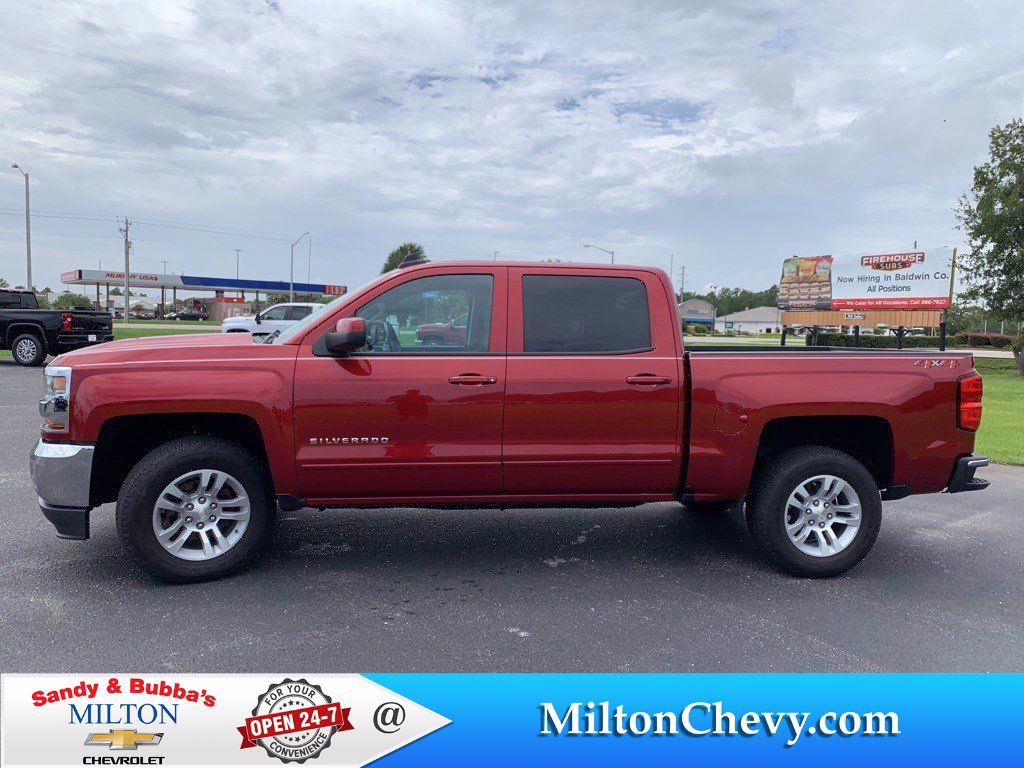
(201, 514)
(822, 515)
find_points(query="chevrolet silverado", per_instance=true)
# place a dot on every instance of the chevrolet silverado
(570, 386)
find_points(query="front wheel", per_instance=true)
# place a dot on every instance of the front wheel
(195, 508)
(814, 511)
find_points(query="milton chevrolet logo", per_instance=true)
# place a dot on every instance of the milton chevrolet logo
(126, 715)
(889, 262)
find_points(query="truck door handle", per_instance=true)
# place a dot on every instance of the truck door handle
(647, 379)
(472, 380)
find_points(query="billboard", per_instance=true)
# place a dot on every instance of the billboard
(903, 280)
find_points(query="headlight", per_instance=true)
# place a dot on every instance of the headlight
(55, 405)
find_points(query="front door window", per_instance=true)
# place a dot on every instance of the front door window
(442, 313)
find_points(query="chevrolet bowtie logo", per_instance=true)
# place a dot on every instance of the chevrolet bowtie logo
(123, 739)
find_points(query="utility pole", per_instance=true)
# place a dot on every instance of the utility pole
(124, 230)
(291, 269)
(671, 269)
(28, 229)
(682, 279)
(309, 259)
(238, 252)
(496, 255)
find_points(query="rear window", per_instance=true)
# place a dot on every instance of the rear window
(575, 313)
(10, 300)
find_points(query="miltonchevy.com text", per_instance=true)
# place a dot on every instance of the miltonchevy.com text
(702, 718)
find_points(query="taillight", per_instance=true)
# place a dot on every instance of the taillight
(65, 321)
(969, 402)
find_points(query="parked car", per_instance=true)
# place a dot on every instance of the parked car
(187, 314)
(32, 333)
(571, 386)
(275, 318)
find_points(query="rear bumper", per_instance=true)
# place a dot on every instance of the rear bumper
(78, 339)
(61, 474)
(963, 478)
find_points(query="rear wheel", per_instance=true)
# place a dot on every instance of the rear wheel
(194, 509)
(814, 511)
(28, 349)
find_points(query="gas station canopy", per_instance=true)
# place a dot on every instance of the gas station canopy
(99, 277)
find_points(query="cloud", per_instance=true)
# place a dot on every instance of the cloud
(729, 133)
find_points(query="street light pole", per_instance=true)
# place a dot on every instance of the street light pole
(291, 272)
(598, 247)
(28, 229)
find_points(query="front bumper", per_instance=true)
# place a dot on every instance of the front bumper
(61, 474)
(963, 478)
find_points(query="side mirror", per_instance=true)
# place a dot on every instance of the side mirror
(349, 335)
(257, 318)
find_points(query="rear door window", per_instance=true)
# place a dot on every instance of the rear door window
(297, 313)
(583, 314)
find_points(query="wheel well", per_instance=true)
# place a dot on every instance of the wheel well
(866, 438)
(126, 439)
(20, 328)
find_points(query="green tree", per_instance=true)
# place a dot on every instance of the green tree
(400, 254)
(991, 214)
(68, 300)
(116, 292)
(3, 283)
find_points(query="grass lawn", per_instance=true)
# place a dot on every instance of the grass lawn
(131, 332)
(183, 323)
(1001, 436)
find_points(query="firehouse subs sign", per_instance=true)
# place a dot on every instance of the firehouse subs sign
(903, 280)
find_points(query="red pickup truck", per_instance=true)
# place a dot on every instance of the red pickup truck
(570, 387)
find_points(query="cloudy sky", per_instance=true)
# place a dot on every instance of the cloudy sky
(729, 133)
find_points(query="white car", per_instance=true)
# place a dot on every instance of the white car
(275, 318)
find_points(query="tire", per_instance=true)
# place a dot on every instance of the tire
(187, 457)
(28, 349)
(837, 547)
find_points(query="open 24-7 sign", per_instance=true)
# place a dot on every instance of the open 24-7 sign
(901, 280)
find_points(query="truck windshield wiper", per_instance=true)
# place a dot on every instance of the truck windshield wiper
(271, 337)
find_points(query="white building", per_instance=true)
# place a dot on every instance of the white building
(756, 320)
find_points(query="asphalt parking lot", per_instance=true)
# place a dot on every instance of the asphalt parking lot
(647, 589)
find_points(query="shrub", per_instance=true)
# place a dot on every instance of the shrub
(871, 342)
(980, 339)
(698, 329)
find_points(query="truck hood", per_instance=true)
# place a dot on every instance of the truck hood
(245, 320)
(169, 347)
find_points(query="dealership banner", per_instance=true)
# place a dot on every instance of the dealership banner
(511, 719)
(897, 280)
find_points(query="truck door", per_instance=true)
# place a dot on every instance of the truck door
(592, 402)
(400, 418)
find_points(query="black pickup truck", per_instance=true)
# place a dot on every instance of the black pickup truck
(32, 333)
